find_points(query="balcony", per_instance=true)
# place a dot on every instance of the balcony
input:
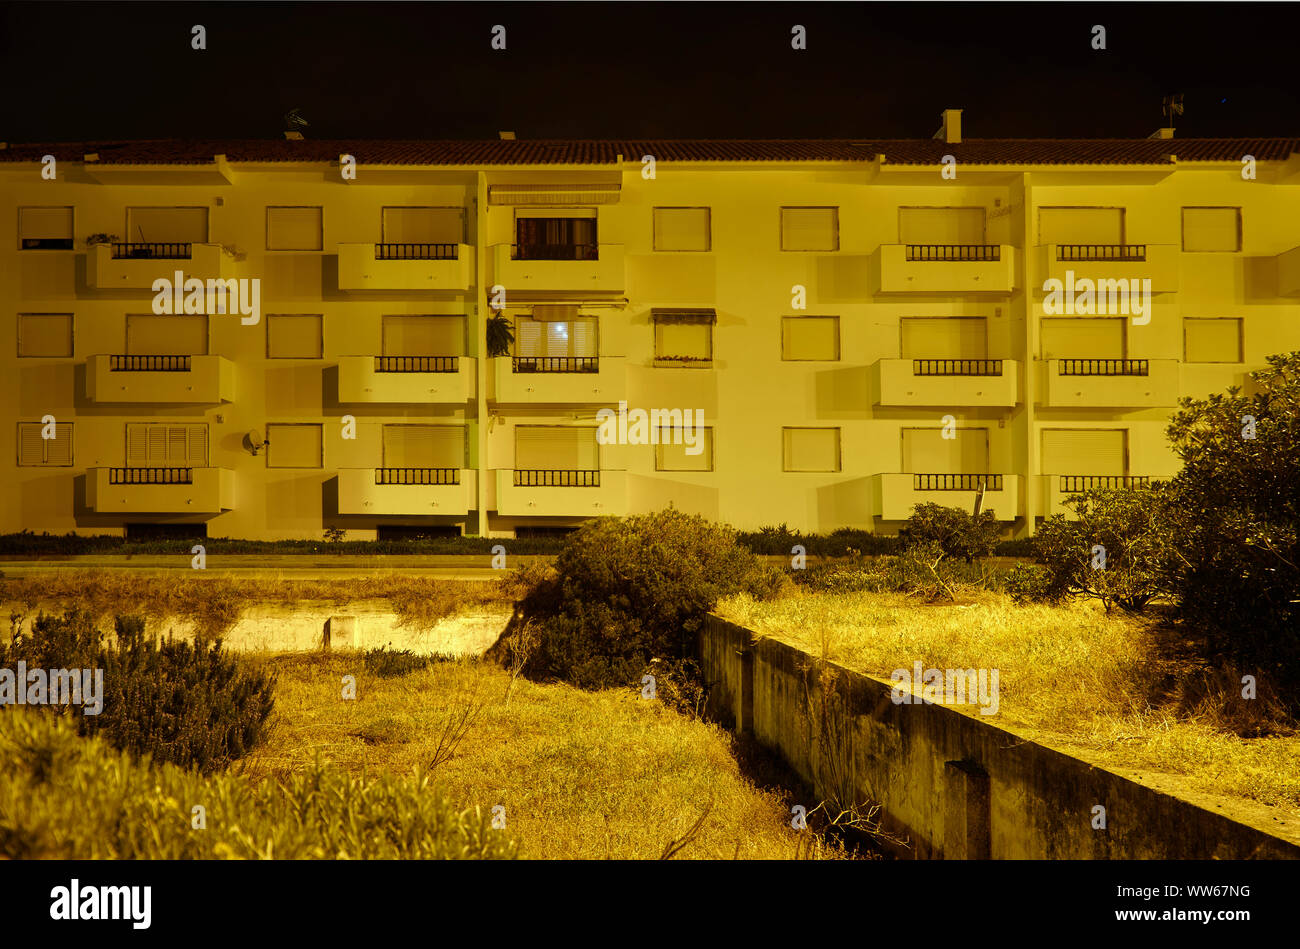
(592, 380)
(944, 268)
(1288, 273)
(162, 380)
(405, 379)
(896, 494)
(990, 383)
(137, 266)
(1056, 488)
(411, 491)
(160, 490)
(578, 268)
(528, 492)
(405, 266)
(1106, 263)
(1110, 383)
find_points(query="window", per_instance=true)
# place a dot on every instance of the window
(423, 336)
(46, 335)
(424, 225)
(676, 457)
(557, 331)
(941, 225)
(294, 446)
(1081, 225)
(45, 228)
(1085, 451)
(424, 446)
(166, 225)
(1084, 338)
(35, 451)
(688, 229)
(810, 228)
(811, 449)
(952, 337)
(556, 234)
(1212, 340)
(295, 336)
(152, 444)
(294, 228)
(556, 448)
(1211, 229)
(684, 335)
(810, 338)
(149, 334)
(926, 451)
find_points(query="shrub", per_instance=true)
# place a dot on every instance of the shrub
(386, 663)
(69, 798)
(956, 533)
(190, 704)
(1029, 583)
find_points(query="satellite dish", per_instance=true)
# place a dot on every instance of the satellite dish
(255, 441)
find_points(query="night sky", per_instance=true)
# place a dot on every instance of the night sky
(644, 70)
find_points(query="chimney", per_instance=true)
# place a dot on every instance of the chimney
(950, 129)
(1166, 132)
(507, 136)
(293, 136)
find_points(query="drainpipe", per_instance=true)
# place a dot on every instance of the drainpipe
(1031, 366)
(480, 333)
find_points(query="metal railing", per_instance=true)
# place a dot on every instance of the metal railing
(406, 251)
(153, 251)
(555, 251)
(956, 482)
(1104, 367)
(556, 478)
(417, 363)
(956, 367)
(1076, 484)
(150, 475)
(148, 363)
(959, 252)
(1131, 252)
(417, 476)
(555, 364)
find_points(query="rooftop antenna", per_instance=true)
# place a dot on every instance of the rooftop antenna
(294, 124)
(1173, 105)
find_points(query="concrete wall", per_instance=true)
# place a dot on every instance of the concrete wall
(958, 787)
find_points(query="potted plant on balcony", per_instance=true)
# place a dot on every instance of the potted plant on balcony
(500, 335)
(101, 238)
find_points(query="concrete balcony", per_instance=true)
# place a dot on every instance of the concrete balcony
(405, 266)
(531, 493)
(1109, 383)
(991, 383)
(415, 491)
(602, 274)
(137, 266)
(944, 268)
(894, 495)
(1288, 273)
(405, 379)
(1102, 263)
(162, 380)
(577, 380)
(1056, 488)
(160, 490)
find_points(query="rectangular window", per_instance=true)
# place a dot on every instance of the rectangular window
(424, 446)
(810, 228)
(687, 229)
(676, 457)
(1080, 451)
(1211, 229)
(47, 335)
(292, 445)
(926, 451)
(556, 235)
(550, 332)
(811, 449)
(1080, 225)
(37, 452)
(941, 225)
(294, 228)
(951, 337)
(556, 448)
(149, 334)
(684, 335)
(156, 445)
(45, 228)
(166, 225)
(424, 225)
(295, 336)
(1217, 340)
(810, 338)
(1084, 338)
(423, 336)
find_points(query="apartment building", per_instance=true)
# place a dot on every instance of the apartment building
(862, 325)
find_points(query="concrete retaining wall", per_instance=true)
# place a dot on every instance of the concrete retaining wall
(955, 786)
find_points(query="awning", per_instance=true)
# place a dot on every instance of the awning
(562, 313)
(692, 315)
(559, 194)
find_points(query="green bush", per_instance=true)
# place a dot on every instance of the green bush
(387, 663)
(68, 798)
(955, 532)
(194, 705)
(1029, 583)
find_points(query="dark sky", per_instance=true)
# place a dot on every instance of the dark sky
(666, 70)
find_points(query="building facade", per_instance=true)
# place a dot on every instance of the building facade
(857, 327)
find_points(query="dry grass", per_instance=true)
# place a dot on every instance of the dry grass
(1072, 676)
(582, 775)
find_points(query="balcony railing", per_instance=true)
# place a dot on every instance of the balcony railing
(956, 367)
(406, 251)
(1104, 367)
(151, 476)
(417, 476)
(1077, 484)
(956, 482)
(954, 252)
(556, 478)
(1128, 252)
(153, 251)
(555, 364)
(417, 364)
(148, 363)
(555, 252)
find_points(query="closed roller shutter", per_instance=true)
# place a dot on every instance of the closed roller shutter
(671, 457)
(810, 229)
(1083, 338)
(810, 337)
(151, 335)
(45, 334)
(926, 451)
(1212, 340)
(1084, 452)
(424, 225)
(811, 449)
(33, 450)
(554, 194)
(167, 225)
(151, 444)
(941, 225)
(424, 446)
(293, 336)
(294, 446)
(944, 338)
(682, 229)
(45, 228)
(1080, 225)
(293, 229)
(1211, 229)
(556, 447)
(423, 336)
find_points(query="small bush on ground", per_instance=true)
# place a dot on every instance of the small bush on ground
(385, 662)
(955, 532)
